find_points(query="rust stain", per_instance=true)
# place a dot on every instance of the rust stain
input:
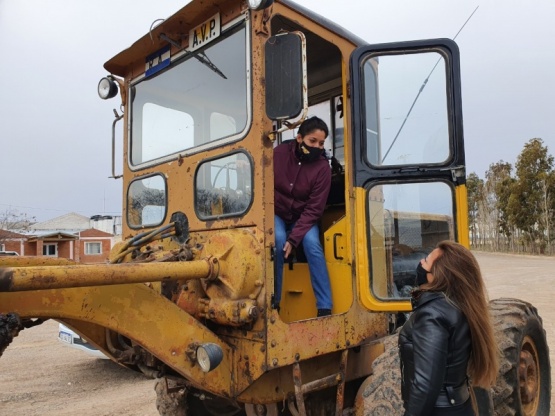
(6, 280)
(43, 281)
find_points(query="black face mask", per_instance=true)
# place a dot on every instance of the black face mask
(421, 275)
(308, 154)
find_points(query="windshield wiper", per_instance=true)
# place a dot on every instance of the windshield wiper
(200, 56)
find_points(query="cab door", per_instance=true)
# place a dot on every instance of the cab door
(408, 163)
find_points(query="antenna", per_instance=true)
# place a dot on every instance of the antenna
(422, 89)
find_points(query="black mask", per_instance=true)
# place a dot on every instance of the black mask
(308, 154)
(421, 275)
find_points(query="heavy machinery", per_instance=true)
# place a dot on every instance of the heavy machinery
(187, 296)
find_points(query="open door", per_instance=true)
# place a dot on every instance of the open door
(408, 157)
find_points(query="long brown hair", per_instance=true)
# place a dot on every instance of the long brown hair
(457, 274)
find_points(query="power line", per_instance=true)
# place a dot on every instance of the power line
(422, 89)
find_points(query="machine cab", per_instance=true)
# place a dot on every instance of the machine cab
(204, 112)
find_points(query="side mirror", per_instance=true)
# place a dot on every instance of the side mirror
(286, 87)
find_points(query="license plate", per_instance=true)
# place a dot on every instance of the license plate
(204, 33)
(65, 337)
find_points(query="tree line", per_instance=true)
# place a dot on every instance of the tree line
(513, 209)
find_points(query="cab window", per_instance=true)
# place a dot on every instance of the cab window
(330, 111)
(223, 186)
(408, 220)
(146, 201)
(194, 104)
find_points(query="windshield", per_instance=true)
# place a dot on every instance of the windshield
(198, 102)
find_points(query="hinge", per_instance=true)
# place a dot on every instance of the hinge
(458, 174)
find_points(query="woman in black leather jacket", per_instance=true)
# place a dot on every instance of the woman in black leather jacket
(448, 341)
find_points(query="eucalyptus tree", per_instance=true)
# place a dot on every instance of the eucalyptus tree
(474, 187)
(499, 184)
(530, 205)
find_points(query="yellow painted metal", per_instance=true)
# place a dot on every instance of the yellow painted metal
(462, 215)
(337, 247)
(240, 264)
(26, 261)
(52, 277)
(341, 279)
(337, 250)
(228, 312)
(138, 313)
(380, 263)
(298, 341)
(359, 364)
(298, 300)
(93, 333)
(234, 296)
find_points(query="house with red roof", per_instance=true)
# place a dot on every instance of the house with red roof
(71, 236)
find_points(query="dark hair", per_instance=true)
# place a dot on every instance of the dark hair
(457, 274)
(311, 124)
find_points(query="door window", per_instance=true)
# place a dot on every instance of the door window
(410, 126)
(407, 221)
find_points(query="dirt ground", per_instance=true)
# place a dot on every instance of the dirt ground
(40, 376)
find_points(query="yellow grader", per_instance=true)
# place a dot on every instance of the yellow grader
(186, 297)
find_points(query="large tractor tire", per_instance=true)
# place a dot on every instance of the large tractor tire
(523, 386)
(10, 325)
(380, 394)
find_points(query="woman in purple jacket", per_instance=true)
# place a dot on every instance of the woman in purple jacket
(302, 178)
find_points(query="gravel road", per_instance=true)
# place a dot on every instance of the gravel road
(40, 376)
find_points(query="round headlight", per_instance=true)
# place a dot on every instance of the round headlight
(107, 88)
(209, 356)
(259, 4)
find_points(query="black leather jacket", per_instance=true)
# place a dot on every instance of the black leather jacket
(434, 347)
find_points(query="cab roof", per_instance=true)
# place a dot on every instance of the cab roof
(178, 25)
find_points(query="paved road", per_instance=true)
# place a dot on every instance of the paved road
(39, 376)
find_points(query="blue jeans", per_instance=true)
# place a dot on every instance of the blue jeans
(316, 263)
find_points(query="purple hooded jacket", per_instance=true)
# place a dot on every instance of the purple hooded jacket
(301, 190)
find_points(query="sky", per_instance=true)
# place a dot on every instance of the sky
(55, 132)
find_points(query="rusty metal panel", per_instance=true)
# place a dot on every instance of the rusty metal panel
(138, 313)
